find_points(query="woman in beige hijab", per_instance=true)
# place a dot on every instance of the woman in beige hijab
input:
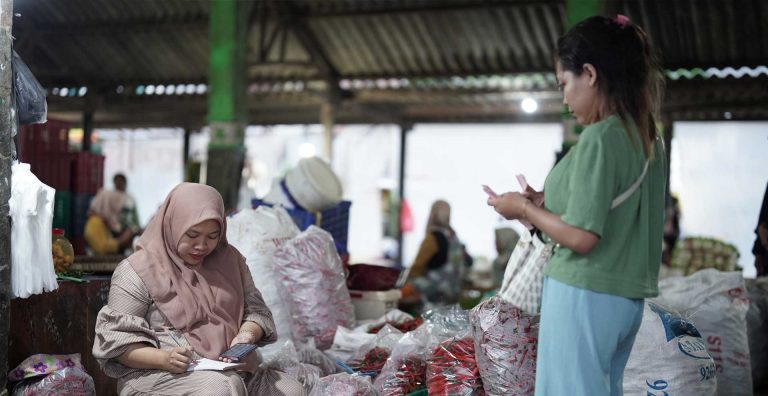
(184, 295)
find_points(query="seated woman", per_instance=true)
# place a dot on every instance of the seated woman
(183, 295)
(104, 233)
(438, 271)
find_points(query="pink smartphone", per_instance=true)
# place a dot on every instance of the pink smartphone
(523, 182)
(489, 191)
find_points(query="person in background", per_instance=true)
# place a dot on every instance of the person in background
(438, 271)
(185, 294)
(671, 230)
(104, 233)
(129, 215)
(760, 248)
(506, 239)
(608, 258)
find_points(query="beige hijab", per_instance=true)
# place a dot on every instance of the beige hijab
(205, 301)
(108, 204)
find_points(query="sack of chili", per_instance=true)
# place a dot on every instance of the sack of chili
(406, 368)
(314, 286)
(372, 356)
(309, 354)
(344, 384)
(506, 340)
(452, 369)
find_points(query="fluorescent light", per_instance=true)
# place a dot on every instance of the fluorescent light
(529, 105)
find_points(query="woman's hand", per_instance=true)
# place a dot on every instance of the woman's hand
(511, 205)
(250, 362)
(176, 360)
(244, 337)
(534, 196)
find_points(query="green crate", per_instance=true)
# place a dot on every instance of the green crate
(62, 213)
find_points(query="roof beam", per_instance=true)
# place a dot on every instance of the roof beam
(432, 8)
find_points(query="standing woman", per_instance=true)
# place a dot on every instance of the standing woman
(608, 259)
(185, 294)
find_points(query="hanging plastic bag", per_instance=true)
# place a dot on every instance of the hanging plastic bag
(31, 107)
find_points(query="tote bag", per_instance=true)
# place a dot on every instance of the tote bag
(524, 276)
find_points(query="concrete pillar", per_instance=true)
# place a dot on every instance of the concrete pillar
(6, 21)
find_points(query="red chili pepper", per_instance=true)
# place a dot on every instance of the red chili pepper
(452, 369)
(410, 376)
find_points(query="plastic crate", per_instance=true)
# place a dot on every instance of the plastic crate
(335, 220)
(49, 138)
(87, 173)
(52, 169)
(62, 211)
(80, 205)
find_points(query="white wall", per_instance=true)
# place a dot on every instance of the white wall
(451, 162)
(719, 172)
(151, 161)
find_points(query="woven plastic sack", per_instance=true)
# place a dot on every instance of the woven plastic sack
(257, 233)
(717, 303)
(669, 357)
(314, 287)
(506, 341)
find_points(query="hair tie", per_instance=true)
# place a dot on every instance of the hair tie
(621, 20)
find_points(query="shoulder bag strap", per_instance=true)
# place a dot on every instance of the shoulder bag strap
(626, 194)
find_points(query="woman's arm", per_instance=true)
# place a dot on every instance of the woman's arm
(514, 206)
(143, 356)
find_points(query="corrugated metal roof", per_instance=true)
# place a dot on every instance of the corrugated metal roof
(404, 55)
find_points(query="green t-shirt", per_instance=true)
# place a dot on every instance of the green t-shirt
(580, 188)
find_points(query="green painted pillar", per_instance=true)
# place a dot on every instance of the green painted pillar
(227, 99)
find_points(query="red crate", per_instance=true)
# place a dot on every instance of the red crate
(87, 172)
(52, 169)
(39, 139)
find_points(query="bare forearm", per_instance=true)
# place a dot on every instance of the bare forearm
(143, 356)
(254, 329)
(574, 238)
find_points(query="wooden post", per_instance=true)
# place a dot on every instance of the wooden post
(6, 21)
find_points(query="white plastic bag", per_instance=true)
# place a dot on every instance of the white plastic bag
(717, 303)
(669, 357)
(257, 233)
(31, 209)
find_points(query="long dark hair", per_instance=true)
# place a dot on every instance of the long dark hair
(628, 72)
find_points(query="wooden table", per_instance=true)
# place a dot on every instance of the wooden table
(61, 322)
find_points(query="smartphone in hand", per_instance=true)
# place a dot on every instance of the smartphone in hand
(489, 191)
(238, 351)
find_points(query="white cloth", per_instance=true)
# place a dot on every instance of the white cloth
(31, 208)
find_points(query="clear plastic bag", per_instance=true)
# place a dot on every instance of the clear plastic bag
(29, 95)
(506, 340)
(309, 354)
(288, 362)
(372, 356)
(49, 375)
(451, 364)
(314, 287)
(344, 384)
(406, 369)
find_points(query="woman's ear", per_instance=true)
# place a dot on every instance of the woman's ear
(591, 72)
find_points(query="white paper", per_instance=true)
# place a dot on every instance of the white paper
(209, 364)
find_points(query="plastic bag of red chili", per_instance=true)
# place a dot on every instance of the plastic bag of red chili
(452, 369)
(505, 340)
(406, 369)
(314, 287)
(372, 356)
(344, 384)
